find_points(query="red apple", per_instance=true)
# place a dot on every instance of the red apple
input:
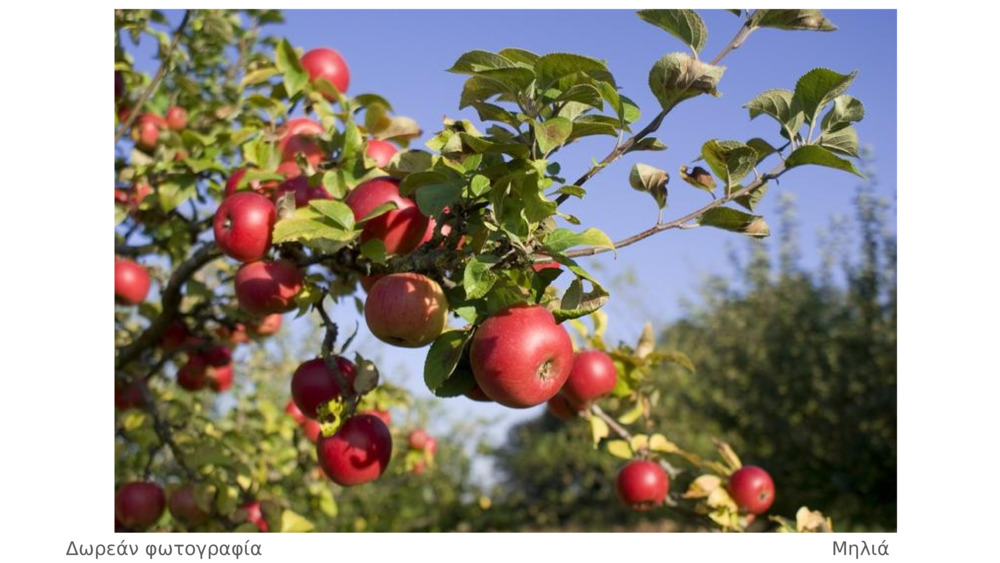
(402, 229)
(234, 180)
(752, 489)
(119, 85)
(218, 355)
(298, 136)
(177, 118)
(174, 336)
(139, 504)
(419, 466)
(431, 447)
(327, 63)
(183, 507)
(243, 225)
(417, 439)
(265, 326)
(380, 151)
(235, 334)
(476, 394)
(521, 357)
(293, 411)
(368, 282)
(129, 395)
(563, 408)
(407, 310)
(220, 379)
(642, 484)
(313, 383)
(254, 515)
(358, 453)
(312, 429)
(263, 288)
(304, 193)
(131, 283)
(192, 375)
(386, 416)
(593, 375)
(146, 130)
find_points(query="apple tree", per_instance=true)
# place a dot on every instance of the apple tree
(249, 184)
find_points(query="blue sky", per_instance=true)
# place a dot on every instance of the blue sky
(402, 55)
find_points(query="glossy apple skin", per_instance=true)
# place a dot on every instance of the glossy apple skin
(304, 193)
(183, 507)
(265, 326)
(358, 453)
(642, 484)
(327, 63)
(593, 376)
(297, 136)
(402, 229)
(243, 225)
(314, 384)
(407, 310)
(385, 416)
(520, 356)
(563, 408)
(146, 130)
(752, 488)
(417, 439)
(380, 151)
(220, 379)
(263, 288)
(139, 504)
(131, 283)
(176, 118)
(255, 516)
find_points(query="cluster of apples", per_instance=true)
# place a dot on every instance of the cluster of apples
(140, 504)
(426, 445)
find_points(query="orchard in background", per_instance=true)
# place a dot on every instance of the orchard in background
(252, 182)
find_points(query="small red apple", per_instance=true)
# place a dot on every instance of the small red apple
(265, 326)
(407, 310)
(304, 193)
(752, 489)
(131, 282)
(293, 411)
(264, 287)
(139, 504)
(520, 356)
(192, 375)
(431, 447)
(220, 379)
(380, 151)
(563, 408)
(174, 336)
(419, 467)
(368, 282)
(254, 515)
(312, 429)
(593, 376)
(327, 63)
(642, 484)
(235, 334)
(177, 118)
(146, 130)
(313, 383)
(243, 225)
(218, 355)
(417, 439)
(358, 453)
(129, 395)
(183, 507)
(298, 136)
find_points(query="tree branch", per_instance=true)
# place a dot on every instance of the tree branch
(611, 422)
(171, 301)
(137, 108)
(682, 222)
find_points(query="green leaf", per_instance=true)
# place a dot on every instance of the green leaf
(477, 61)
(434, 197)
(731, 161)
(685, 25)
(550, 68)
(730, 219)
(562, 239)
(644, 178)
(678, 76)
(479, 185)
(258, 76)
(409, 162)
(819, 87)
(400, 127)
(374, 250)
(292, 522)
(479, 277)
(308, 224)
(843, 141)
(175, 191)
(443, 356)
(812, 154)
(336, 211)
(120, 214)
(619, 448)
(750, 200)
(810, 20)
(519, 56)
(647, 144)
(575, 301)
(762, 148)
(288, 63)
(846, 110)
(587, 125)
(552, 134)
(782, 106)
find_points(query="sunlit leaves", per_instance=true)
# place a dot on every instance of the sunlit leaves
(782, 106)
(731, 161)
(685, 25)
(819, 87)
(679, 76)
(736, 221)
(813, 154)
(293, 74)
(809, 20)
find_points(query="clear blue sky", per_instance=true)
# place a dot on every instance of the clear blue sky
(403, 54)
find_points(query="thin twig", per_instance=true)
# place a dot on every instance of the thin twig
(612, 423)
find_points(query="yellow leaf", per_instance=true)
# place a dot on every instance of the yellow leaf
(598, 429)
(719, 497)
(632, 415)
(659, 443)
(728, 455)
(703, 486)
(647, 342)
(640, 442)
(619, 448)
(292, 522)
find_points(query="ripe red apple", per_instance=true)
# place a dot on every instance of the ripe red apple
(243, 225)
(119, 85)
(476, 394)
(218, 355)
(431, 447)
(177, 118)
(233, 182)
(563, 408)
(386, 416)
(593, 375)
(235, 334)
(293, 411)
(304, 193)
(131, 282)
(417, 439)
(298, 136)
(402, 229)
(419, 467)
(327, 63)
(520, 356)
(254, 515)
(380, 151)
(265, 287)
(752, 489)
(183, 507)
(192, 375)
(265, 326)
(642, 484)
(314, 384)
(174, 336)
(129, 395)
(220, 379)
(407, 310)
(358, 453)
(139, 504)
(367, 282)
(146, 130)
(312, 429)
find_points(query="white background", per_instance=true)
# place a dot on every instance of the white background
(58, 457)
